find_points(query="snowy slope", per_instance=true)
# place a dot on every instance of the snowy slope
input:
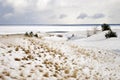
(99, 41)
(30, 58)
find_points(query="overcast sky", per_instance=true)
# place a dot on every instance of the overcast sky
(59, 11)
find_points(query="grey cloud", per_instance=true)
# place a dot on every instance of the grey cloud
(98, 16)
(95, 16)
(5, 9)
(28, 18)
(62, 16)
(82, 16)
(41, 11)
(17, 20)
(55, 16)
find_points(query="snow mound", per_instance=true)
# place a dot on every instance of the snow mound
(97, 37)
(99, 41)
(101, 35)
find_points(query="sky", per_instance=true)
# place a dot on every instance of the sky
(59, 11)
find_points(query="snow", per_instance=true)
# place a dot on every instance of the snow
(23, 29)
(99, 41)
(60, 56)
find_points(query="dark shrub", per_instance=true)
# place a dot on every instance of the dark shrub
(59, 35)
(31, 34)
(110, 34)
(26, 34)
(36, 35)
(105, 27)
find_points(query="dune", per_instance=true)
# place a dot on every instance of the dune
(48, 58)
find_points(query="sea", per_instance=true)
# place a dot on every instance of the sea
(22, 28)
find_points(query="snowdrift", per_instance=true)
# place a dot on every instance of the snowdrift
(99, 41)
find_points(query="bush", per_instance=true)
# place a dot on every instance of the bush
(36, 35)
(110, 34)
(26, 34)
(59, 35)
(105, 27)
(31, 34)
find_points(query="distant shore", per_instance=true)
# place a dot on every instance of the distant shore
(55, 24)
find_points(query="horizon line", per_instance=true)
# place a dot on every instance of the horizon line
(55, 24)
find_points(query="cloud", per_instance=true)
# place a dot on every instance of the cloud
(82, 16)
(113, 13)
(51, 11)
(5, 9)
(8, 15)
(98, 16)
(62, 16)
(95, 16)
(42, 4)
(22, 6)
(18, 6)
(24, 11)
(24, 19)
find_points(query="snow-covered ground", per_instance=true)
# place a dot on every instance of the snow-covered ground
(23, 29)
(99, 41)
(60, 56)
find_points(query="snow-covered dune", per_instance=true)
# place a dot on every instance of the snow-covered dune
(99, 41)
(44, 58)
